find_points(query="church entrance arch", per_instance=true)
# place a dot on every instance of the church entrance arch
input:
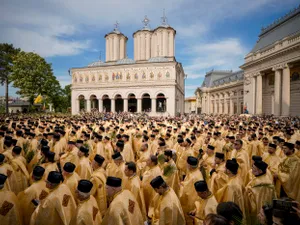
(106, 103)
(161, 103)
(94, 103)
(146, 103)
(82, 103)
(132, 103)
(119, 103)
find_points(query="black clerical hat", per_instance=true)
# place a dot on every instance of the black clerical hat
(272, 145)
(71, 142)
(38, 171)
(220, 155)
(168, 153)
(211, 147)
(232, 165)
(192, 161)
(99, 159)
(17, 150)
(201, 186)
(45, 149)
(256, 158)
(54, 177)
(157, 182)
(84, 149)
(2, 157)
(44, 142)
(2, 178)
(117, 155)
(261, 165)
(289, 145)
(114, 181)
(79, 141)
(69, 167)
(84, 186)
(120, 144)
(188, 140)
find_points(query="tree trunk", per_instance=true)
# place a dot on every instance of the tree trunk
(6, 95)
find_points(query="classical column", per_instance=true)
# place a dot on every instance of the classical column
(220, 106)
(139, 105)
(259, 94)
(231, 104)
(216, 106)
(88, 105)
(202, 99)
(286, 91)
(113, 105)
(77, 106)
(125, 105)
(50, 107)
(153, 104)
(253, 95)
(225, 104)
(100, 104)
(277, 92)
(208, 104)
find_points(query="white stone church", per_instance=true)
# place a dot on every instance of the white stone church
(152, 82)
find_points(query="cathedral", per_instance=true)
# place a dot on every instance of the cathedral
(152, 82)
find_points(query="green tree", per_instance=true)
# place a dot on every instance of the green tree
(7, 54)
(33, 76)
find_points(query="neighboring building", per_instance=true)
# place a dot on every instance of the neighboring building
(190, 105)
(18, 106)
(221, 92)
(153, 82)
(270, 80)
(272, 69)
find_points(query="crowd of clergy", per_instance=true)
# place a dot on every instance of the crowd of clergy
(212, 170)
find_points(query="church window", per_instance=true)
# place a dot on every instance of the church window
(100, 77)
(93, 78)
(106, 77)
(167, 74)
(295, 76)
(120, 76)
(113, 76)
(144, 76)
(86, 79)
(128, 76)
(136, 76)
(80, 79)
(159, 75)
(151, 75)
(271, 78)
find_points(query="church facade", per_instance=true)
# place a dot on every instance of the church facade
(269, 82)
(152, 82)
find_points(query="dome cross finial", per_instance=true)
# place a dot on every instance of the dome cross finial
(164, 19)
(146, 22)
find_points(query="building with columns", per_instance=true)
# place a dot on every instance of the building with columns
(272, 69)
(152, 82)
(270, 80)
(221, 92)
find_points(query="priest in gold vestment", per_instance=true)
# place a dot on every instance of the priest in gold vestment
(59, 205)
(165, 207)
(71, 178)
(9, 205)
(87, 212)
(124, 209)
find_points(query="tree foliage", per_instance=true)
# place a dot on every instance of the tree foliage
(33, 76)
(7, 54)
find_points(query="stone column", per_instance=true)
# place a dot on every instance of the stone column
(88, 105)
(277, 92)
(286, 91)
(202, 99)
(208, 104)
(100, 104)
(231, 104)
(125, 105)
(220, 106)
(225, 104)
(216, 107)
(77, 106)
(139, 105)
(50, 107)
(253, 95)
(259, 94)
(153, 104)
(113, 105)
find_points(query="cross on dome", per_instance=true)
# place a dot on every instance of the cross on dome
(164, 19)
(146, 22)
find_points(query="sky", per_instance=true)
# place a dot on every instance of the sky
(70, 33)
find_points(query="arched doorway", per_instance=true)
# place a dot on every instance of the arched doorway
(82, 103)
(161, 103)
(119, 103)
(146, 103)
(106, 103)
(94, 103)
(132, 103)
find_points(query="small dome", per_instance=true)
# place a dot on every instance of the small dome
(126, 61)
(97, 63)
(158, 59)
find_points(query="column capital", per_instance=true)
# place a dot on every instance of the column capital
(279, 67)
